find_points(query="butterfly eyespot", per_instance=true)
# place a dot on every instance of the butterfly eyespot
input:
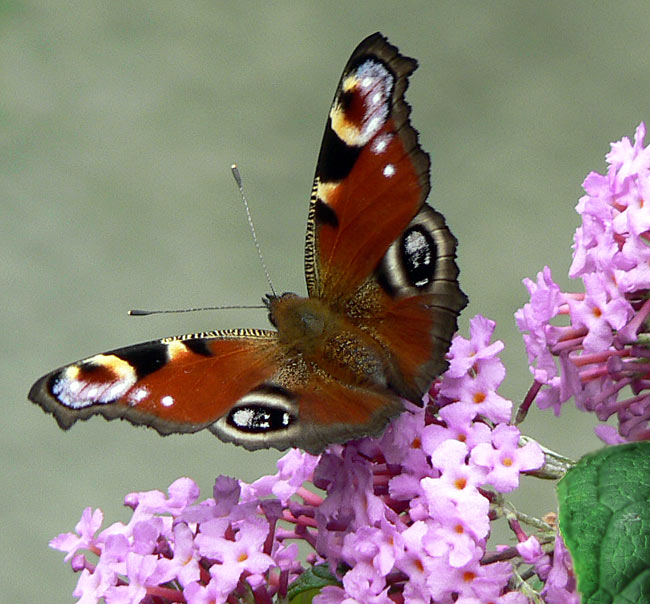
(259, 418)
(419, 256)
(268, 408)
(100, 379)
(363, 103)
(421, 259)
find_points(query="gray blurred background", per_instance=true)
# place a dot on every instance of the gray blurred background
(118, 124)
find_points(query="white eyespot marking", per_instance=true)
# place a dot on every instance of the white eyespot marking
(247, 419)
(416, 245)
(381, 143)
(286, 419)
(137, 395)
(363, 113)
(176, 349)
(75, 386)
(113, 392)
(101, 379)
(389, 170)
(167, 401)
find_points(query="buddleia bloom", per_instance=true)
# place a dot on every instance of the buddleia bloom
(401, 518)
(592, 345)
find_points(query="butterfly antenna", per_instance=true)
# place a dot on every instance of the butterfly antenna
(137, 312)
(237, 176)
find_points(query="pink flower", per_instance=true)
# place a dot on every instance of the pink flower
(477, 386)
(236, 556)
(504, 459)
(141, 571)
(182, 493)
(561, 583)
(84, 536)
(184, 563)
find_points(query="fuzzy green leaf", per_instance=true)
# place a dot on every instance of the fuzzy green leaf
(605, 522)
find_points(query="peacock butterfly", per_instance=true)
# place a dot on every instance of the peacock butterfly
(383, 301)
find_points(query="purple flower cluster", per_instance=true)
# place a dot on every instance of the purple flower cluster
(601, 358)
(401, 518)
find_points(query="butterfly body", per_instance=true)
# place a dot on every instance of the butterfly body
(327, 340)
(383, 300)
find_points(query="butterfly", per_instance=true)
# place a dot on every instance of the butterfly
(382, 305)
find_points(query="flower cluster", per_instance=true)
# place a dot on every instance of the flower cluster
(401, 518)
(601, 358)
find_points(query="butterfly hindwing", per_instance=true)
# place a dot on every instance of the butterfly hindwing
(416, 300)
(317, 410)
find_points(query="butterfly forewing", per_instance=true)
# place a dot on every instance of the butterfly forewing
(179, 384)
(372, 177)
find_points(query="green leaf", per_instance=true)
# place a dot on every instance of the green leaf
(310, 583)
(605, 522)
